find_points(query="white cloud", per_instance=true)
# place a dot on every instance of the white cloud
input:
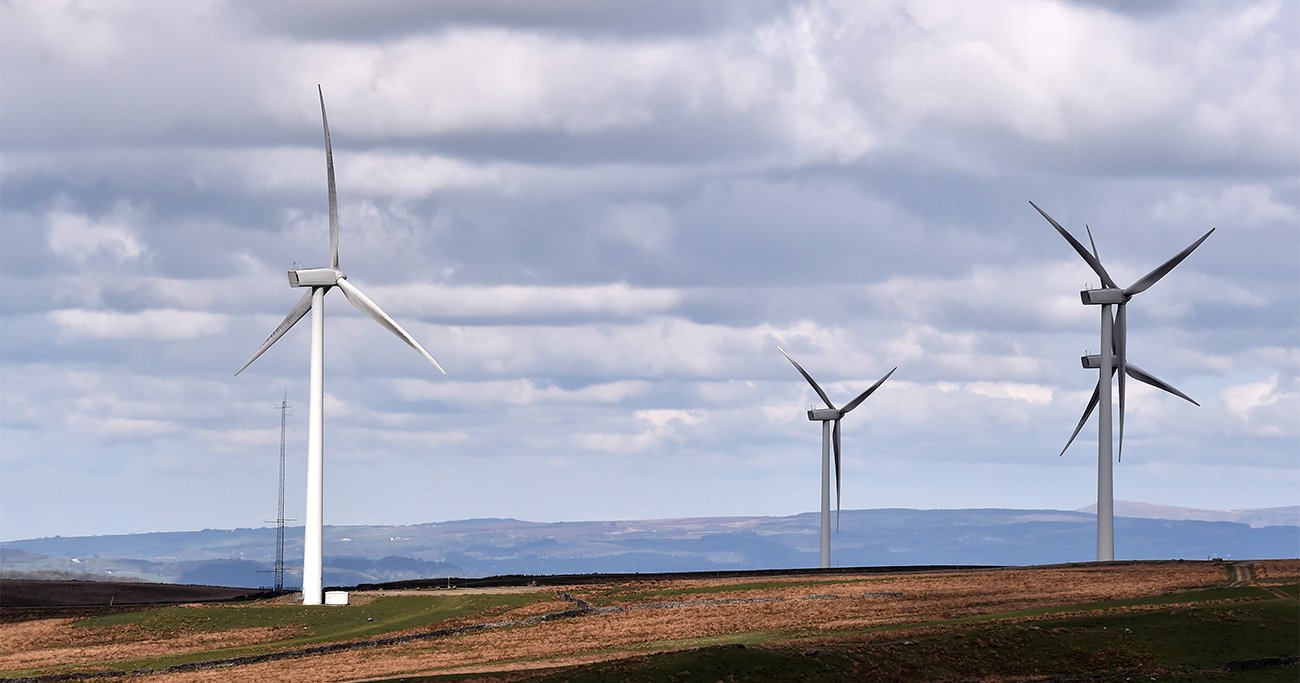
(1034, 294)
(822, 121)
(931, 74)
(115, 428)
(443, 83)
(359, 172)
(1233, 205)
(1265, 407)
(774, 84)
(1031, 393)
(652, 429)
(519, 392)
(412, 175)
(617, 300)
(650, 347)
(96, 27)
(647, 227)
(150, 325)
(82, 240)
(1071, 80)
(361, 444)
(1168, 302)
(661, 419)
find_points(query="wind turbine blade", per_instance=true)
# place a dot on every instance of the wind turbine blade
(863, 396)
(1143, 376)
(808, 377)
(836, 441)
(1087, 412)
(299, 310)
(1120, 331)
(1155, 275)
(329, 175)
(1093, 262)
(1092, 242)
(365, 305)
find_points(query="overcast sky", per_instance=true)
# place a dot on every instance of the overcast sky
(602, 219)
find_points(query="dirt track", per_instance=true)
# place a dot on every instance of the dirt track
(659, 615)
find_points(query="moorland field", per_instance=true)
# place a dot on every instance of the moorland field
(1090, 622)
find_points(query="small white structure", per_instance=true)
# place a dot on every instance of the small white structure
(336, 597)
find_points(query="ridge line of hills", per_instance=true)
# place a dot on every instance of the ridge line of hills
(484, 547)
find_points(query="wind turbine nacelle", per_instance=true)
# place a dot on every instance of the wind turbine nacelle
(1092, 362)
(314, 277)
(822, 414)
(1102, 297)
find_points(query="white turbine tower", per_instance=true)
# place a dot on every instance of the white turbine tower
(1112, 361)
(318, 281)
(830, 438)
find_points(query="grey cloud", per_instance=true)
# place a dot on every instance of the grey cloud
(345, 21)
(1155, 8)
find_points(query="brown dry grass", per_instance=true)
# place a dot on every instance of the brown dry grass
(1277, 569)
(651, 616)
(49, 642)
(641, 626)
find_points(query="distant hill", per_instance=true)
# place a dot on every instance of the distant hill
(483, 547)
(1281, 516)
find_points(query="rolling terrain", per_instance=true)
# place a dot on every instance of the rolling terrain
(1204, 620)
(486, 547)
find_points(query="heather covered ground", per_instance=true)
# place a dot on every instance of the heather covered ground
(530, 630)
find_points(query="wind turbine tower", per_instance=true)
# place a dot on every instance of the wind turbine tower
(1112, 361)
(317, 282)
(830, 418)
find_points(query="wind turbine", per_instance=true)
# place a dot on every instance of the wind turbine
(318, 281)
(1113, 361)
(830, 435)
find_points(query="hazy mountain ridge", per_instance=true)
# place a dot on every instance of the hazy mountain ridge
(481, 547)
(1279, 516)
